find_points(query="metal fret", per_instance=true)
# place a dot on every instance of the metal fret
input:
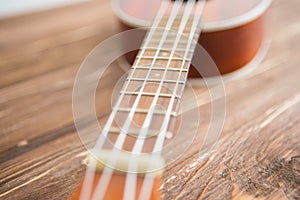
(178, 19)
(166, 49)
(164, 58)
(136, 132)
(174, 30)
(145, 111)
(188, 28)
(150, 94)
(181, 41)
(180, 45)
(155, 80)
(161, 68)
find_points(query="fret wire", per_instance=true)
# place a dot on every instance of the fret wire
(178, 50)
(159, 30)
(174, 32)
(170, 40)
(169, 44)
(154, 42)
(178, 19)
(155, 80)
(165, 49)
(133, 131)
(161, 68)
(149, 94)
(158, 34)
(102, 184)
(145, 111)
(162, 81)
(164, 58)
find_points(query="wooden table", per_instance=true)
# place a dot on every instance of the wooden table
(41, 154)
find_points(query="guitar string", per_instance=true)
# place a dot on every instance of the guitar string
(149, 178)
(91, 169)
(115, 152)
(131, 178)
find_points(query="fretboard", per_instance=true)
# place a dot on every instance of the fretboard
(160, 70)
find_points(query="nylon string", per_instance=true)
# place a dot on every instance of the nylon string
(91, 169)
(149, 178)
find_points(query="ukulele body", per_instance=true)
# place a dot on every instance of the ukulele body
(233, 31)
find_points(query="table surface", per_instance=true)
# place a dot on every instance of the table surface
(40, 151)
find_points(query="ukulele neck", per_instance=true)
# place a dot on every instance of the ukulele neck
(145, 112)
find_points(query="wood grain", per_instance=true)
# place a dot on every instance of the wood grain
(41, 156)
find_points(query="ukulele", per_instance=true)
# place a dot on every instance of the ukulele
(141, 134)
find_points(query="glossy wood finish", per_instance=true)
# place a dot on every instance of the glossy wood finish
(230, 48)
(41, 155)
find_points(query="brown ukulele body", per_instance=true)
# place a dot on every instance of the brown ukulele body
(232, 38)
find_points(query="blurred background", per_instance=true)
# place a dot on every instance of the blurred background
(43, 43)
(11, 8)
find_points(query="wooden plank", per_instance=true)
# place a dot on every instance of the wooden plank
(41, 155)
